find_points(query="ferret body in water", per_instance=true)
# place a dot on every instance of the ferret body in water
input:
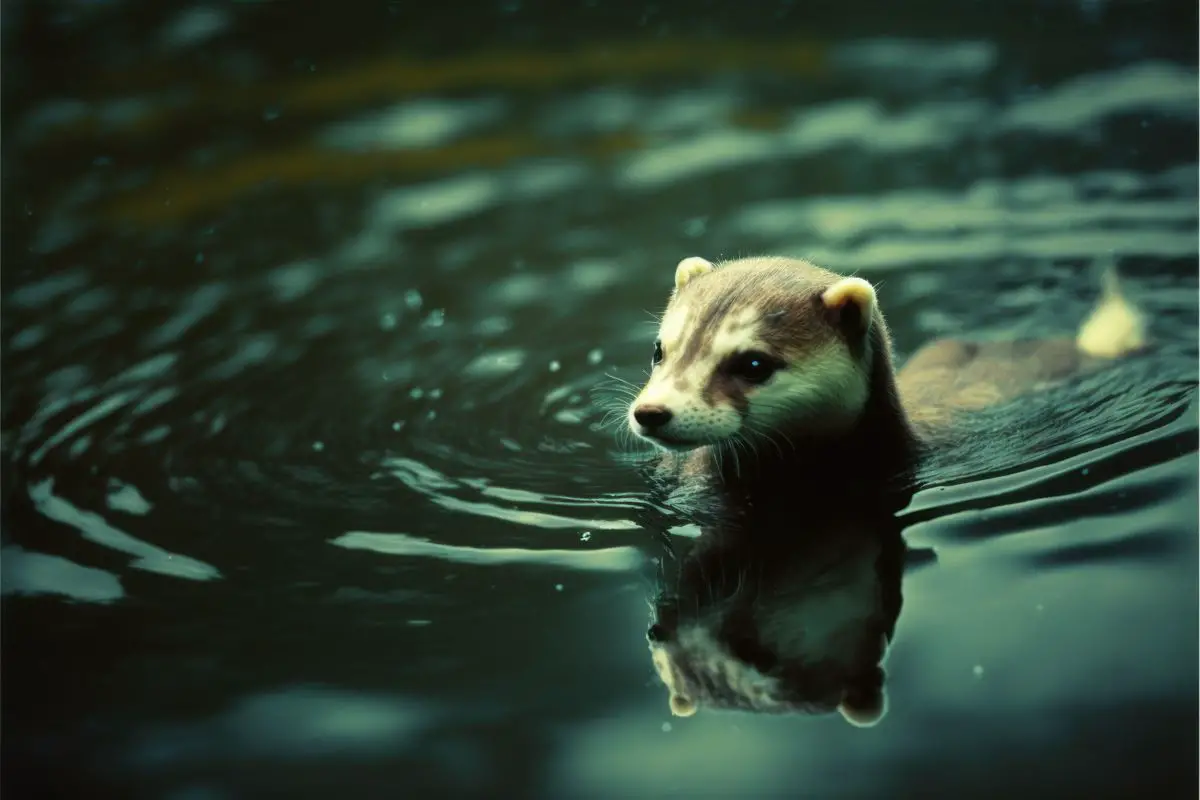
(776, 362)
(773, 388)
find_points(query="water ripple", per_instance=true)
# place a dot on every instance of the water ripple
(614, 559)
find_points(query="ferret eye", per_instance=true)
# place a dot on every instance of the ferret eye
(658, 354)
(753, 367)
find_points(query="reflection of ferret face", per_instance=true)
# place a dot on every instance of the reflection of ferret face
(800, 631)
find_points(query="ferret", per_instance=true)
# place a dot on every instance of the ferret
(773, 389)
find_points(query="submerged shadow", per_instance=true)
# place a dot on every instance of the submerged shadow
(782, 611)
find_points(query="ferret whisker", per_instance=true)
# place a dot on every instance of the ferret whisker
(622, 381)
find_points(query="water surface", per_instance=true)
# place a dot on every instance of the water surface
(308, 334)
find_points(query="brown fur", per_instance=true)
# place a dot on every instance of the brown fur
(947, 377)
(783, 293)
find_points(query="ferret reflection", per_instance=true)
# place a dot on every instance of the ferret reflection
(793, 621)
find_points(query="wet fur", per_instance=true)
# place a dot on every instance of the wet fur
(828, 429)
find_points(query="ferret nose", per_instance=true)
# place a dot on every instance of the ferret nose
(652, 416)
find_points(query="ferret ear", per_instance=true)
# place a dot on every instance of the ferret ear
(864, 711)
(682, 706)
(865, 703)
(851, 300)
(689, 268)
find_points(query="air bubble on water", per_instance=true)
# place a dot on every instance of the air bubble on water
(1084, 471)
(155, 434)
(695, 227)
(413, 299)
(595, 356)
(497, 362)
(555, 366)
(80, 446)
(436, 318)
(434, 394)
(431, 415)
(388, 321)
(585, 536)
(493, 326)
(416, 393)
(666, 727)
(396, 426)
(558, 587)
(318, 446)
(978, 671)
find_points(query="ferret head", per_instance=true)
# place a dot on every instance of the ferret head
(757, 347)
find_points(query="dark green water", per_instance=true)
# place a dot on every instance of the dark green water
(307, 323)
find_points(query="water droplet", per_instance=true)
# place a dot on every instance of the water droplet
(102, 161)
(388, 321)
(199, 258)
(585, 536)
(436, 318)
(1084, 471)
(396, 426)
(695, 227)
(416, 393)
(978, 671)
(270, 114)
(434, 394)
(555, 366)
(666, 727)
(318, 446)
(595, 356)
(558, 587)
(413, 299)
(431, 415)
